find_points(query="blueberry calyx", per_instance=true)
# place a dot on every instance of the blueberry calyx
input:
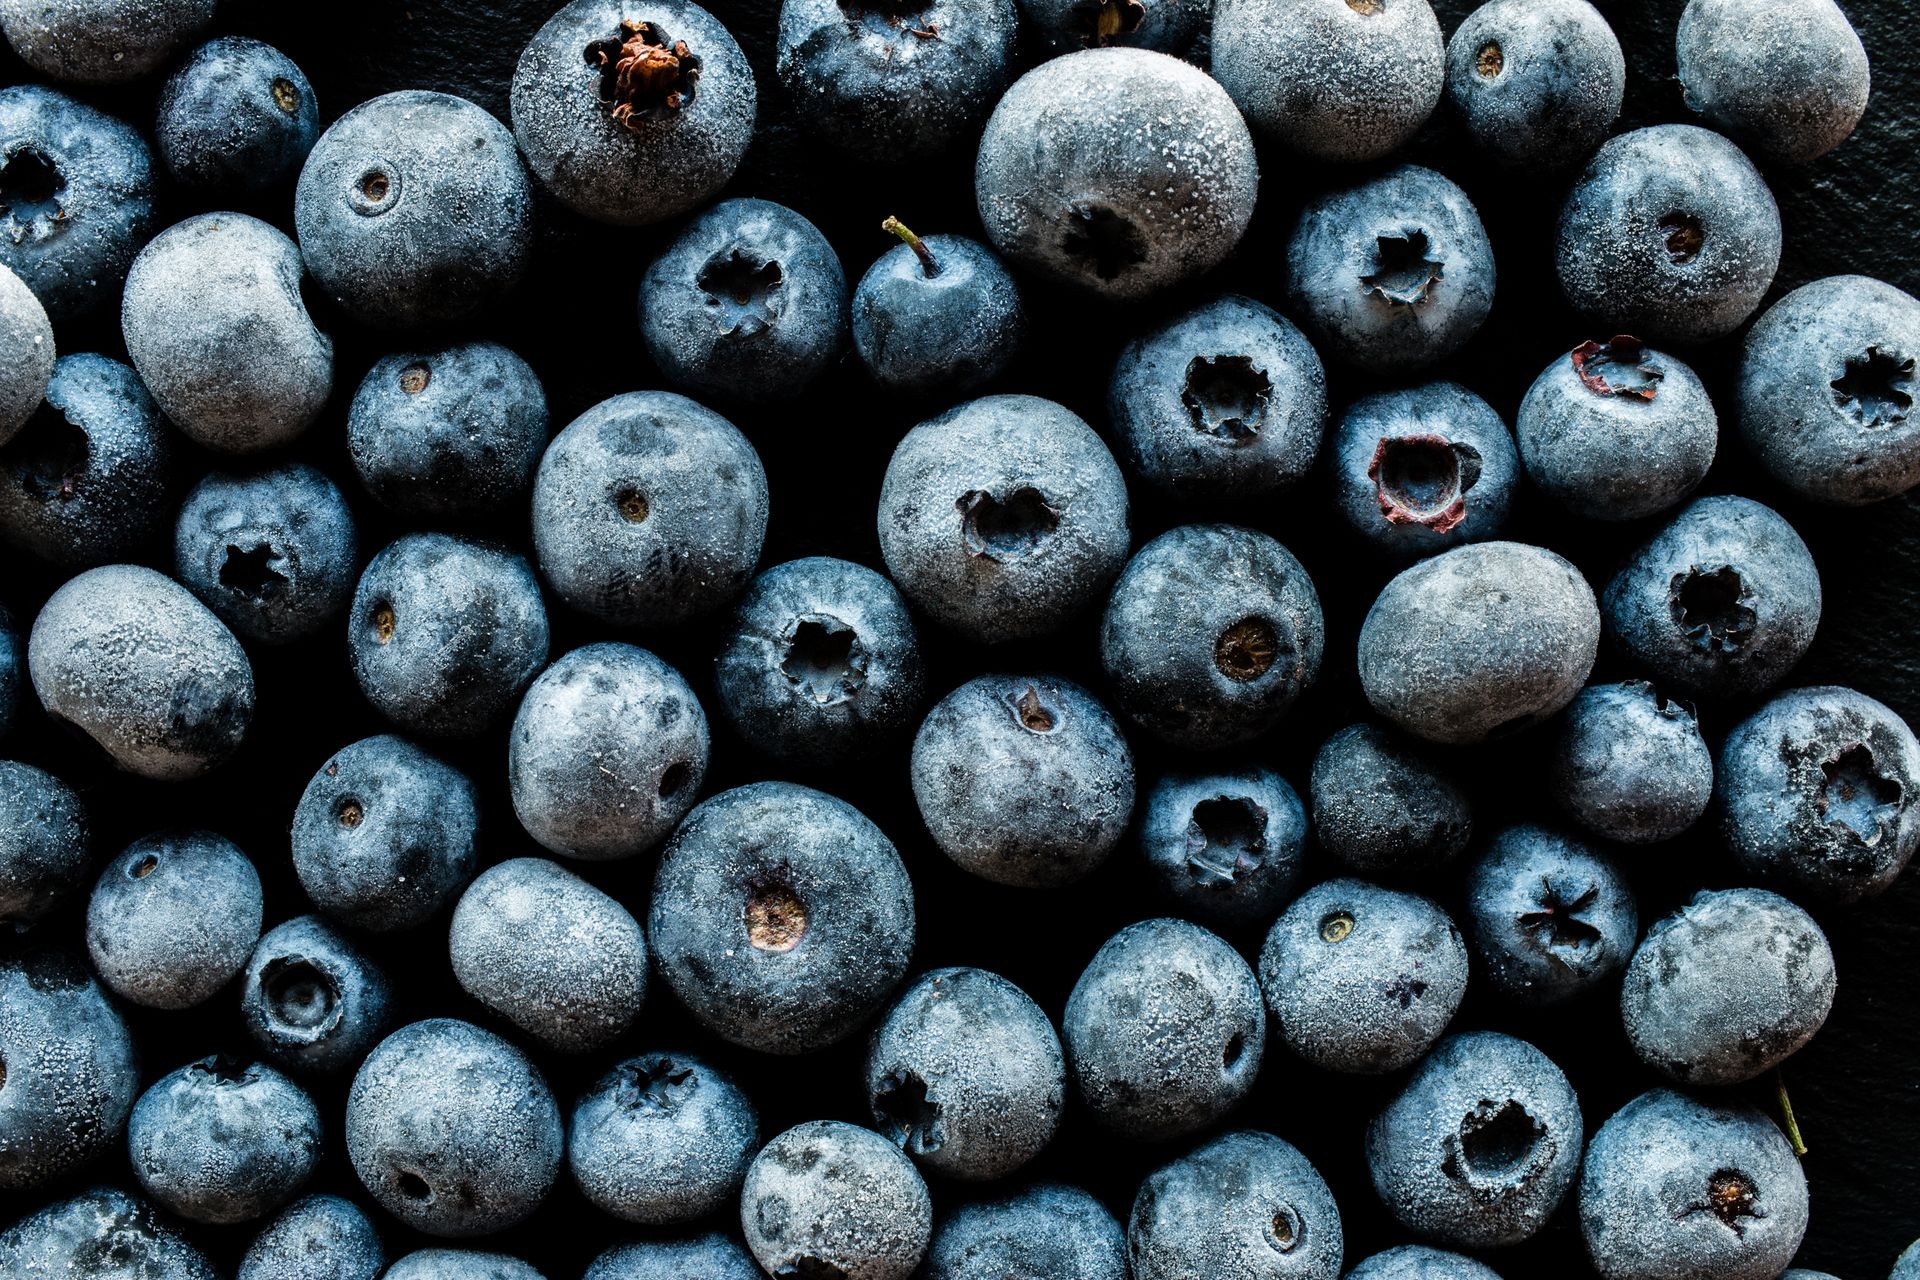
(1424, 479)
(1103, 21)
(30, 187)
(641, 69)
(1635, 374)
(1876, 388)
(1714, 607)
(1403, 272)
(1227, 397)
(997, 530)
(1856, 796)
(1226, 839)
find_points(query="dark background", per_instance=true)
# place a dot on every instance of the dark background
(1856, 1087)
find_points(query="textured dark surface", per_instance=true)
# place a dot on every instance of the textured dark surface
(1856, 1087)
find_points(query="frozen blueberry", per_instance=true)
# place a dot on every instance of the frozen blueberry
(452, 1130)
(556, 957)
(1788, 79)
(1003, 518)
(173, 918)
(1246, 1206)
(966, 1075)
(46, 844)
(215, 323)
(1550, 918)
(1817, 792)
(222, 1140)
(1058, 1232)
(460, 1264)
(313, 1000)
(1164, 1030)
(1393, 273)
(893, 80)
(318, 1238)
(1537, 84)
(1420, 1262)
(103, 1234)
(649, 510)
(1670, 233)
(1907, 1265)
(1728, 987)
(1480, 1146)
(1361, 978)
(821, 663)
(1424, 468)
(1720, 603)
(89, 479)
(938, 314)
(1677, 1187)
(1211, 634)
(662, 1138)
(70, 1074)
(384, 835)
(711, 1257)
(1826, 387)
(633, 111)
(26, 351)
(1121, 171)
(1629, 763)
(1225, 401)
(238, 118)
(101, 41)
(1615, 430)
(445, 632)
(1383, 808)
(781, 917)
(1225, 846)
(827, 1199)
(271, 553)
(76, 197)
(13, 682)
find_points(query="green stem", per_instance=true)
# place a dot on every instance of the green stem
(1786, 1113)
(896, 227)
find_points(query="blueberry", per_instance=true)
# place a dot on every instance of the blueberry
(46, 844)
(445, 632)
(1789, 80)
(448, 433)
(1670, 233)
(1481, 1145)
(1907, 1265)
(460, 1264)
(1421, 469)
(649, 510)
(101, 41)
(887, 80)
(560, 960)
(827, 1199)
(711, 1257)
(1817, 792)
(749, 303)
(1225, 401)
(1246, 1206)
(222, 1140)
(144, 670)
(1048, 1230)
(70, 1073)
(1383, 808)
(102, 1234)
(662, 1138)
(1629, 764)
(1365, 266)
(821, 663)
(26, 351)
(413, 209)
(1677, 1187)
(938, 314)
(13, 679)
(1616, 431)
(452, 1130)
(1728, 987)
(1003, 518)
(633, 111)
(1550, 918)
(237, 118)
(1721, 603)
(1419, 1262)
(1537, 85)
(173, 918)
(965, 1074)
(318, 1238)
(781, 917)
(89, 479)
(384, 835)
(1360, 978)
(215, 323)
(1164, 1031)
(1479, 641)
(1825, 390)
(311, 999)
(76, 197)
(1211, 634)
(1077, 160)
(1225, 846)
(271, 553)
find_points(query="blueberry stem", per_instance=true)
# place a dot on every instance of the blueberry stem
(915, 243)
(1786, 1112)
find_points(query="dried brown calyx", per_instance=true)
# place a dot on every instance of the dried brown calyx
(1730, 1197)
(1620, 366)
(1246, 650)
(1101, 22)
(1423, 480)
(1404, 269)
(1032, 711)
(775, 915)
(643, 69)
(1684, 236)
(1489, 61)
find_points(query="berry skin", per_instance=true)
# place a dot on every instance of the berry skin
(173, 918)
(223, 1141)
(965, 1074)
(1629, 764)
(237, 117)
(318, 1238)
(1419, 1262)
(1419, 470)
(1078, 156)
(826, 1198)
(1550, 918)
(1907, 1265)
(1048, 1230)
(72, 1237)
(1787, 79)
(46, 844)
(711, 1257)
(26, 353)
(1246, 1206)
(311, 999)
(940, 329)
(460, 1264)
(98, 42)
(1226, 847)
(1164, 1031)
(271, 553)
(661, 1139)
(1383, 808)
(71, 1073)
(1537, 85)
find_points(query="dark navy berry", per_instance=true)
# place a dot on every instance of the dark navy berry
(312, 999)
(1537, 85)
(1629, 764)
(1383, 808)
(1788, 79)
(70, 1073)
(1421, 1262)
(662, 1138)
(1246, 1206)
(1550, 918)
(221, 1140)
(271, 553)
(237, 118)
(318, 1238)
(1225, 847)
(101, 41)
(938, 314)
(460, 1264)
(711, 1257)
(46, 844)
(827, 1199)
(173, 918)
(26, 350)
(1049, 1230)
(102, 1233)
(1907, 1265)
(1418, 470)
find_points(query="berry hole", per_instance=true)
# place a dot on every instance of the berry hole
(1284, 1230)
(1236, 1046)
(415, 377)
(349, 813)
(1684, 236)
(674, 777)
(383, 623)
(145, 867)
(775, 916)
(286, 95)
(634, 507)
(1489, 61)
(412, 1186)
(1246, 650)
(1336, 927)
